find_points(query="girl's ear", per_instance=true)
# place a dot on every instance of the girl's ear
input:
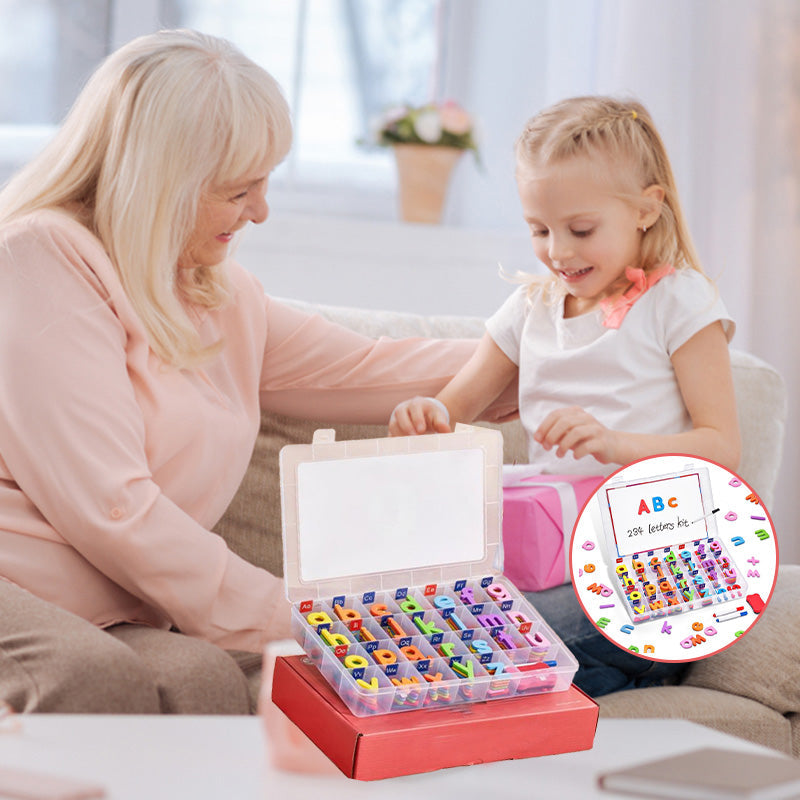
(652, 200)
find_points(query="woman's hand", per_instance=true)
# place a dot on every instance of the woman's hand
(573, 429)
(418, 415)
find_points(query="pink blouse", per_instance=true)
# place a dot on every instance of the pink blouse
(113, 467)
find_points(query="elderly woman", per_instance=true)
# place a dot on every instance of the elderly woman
(135, 359)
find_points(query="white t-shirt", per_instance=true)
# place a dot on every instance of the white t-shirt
(623, 377)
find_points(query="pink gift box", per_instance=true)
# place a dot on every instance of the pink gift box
(539, 513)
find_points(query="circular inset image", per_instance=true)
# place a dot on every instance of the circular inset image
(673, 558)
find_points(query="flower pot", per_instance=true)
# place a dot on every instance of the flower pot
(423, 173)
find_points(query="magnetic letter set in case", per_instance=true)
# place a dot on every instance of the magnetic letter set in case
(392, 550)
(662, 547)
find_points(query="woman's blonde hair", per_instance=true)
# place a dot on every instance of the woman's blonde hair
(621, 134)
(160, 120)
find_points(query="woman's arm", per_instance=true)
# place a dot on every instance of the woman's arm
(316, 369)
(703, 371)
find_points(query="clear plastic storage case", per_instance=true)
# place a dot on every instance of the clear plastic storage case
(663, 552)
(391, 554)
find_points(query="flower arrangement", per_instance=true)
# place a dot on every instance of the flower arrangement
(437, 125)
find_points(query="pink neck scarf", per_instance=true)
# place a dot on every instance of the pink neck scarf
(615, 308)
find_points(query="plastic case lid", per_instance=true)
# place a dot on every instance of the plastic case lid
(383, 513)
(650, 513)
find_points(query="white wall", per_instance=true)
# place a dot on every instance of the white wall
(393, 266)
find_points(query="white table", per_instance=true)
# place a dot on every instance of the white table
(149, 758)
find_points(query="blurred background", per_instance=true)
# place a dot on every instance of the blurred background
(721, 78)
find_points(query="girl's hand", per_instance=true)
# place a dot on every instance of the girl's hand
(574, 429)
(416, 416)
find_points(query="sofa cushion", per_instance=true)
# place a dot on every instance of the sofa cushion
(764, 664)
(761, 400)
(794, 721)
(738, 716)
(397, 324)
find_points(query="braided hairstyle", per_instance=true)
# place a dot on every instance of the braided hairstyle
(622, 135)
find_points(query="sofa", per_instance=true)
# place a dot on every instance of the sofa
(750, 690)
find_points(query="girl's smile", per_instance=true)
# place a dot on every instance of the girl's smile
(574, 276)
(582, 229)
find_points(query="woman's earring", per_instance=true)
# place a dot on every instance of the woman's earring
(644, 228)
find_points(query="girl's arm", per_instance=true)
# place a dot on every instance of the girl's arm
(478, 384)
(703, 370)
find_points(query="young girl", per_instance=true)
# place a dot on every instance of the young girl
(622, 351)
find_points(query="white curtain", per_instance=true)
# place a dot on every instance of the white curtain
(771, 275)
(722, 80)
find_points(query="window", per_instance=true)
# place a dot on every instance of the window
(340, 62)
(47, 51)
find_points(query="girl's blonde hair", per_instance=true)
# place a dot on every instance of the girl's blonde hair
(160, 120)
(621, 134)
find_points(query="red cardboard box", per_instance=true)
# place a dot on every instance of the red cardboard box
(388, 745)
(539, 513)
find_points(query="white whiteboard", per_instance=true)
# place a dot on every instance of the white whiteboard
(363, 516)
(654, 513)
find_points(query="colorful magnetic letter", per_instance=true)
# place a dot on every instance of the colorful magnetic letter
(384, 656)
(498, 591)
(443, 601)
(319, 618)
(346, 614)
(410, 605)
